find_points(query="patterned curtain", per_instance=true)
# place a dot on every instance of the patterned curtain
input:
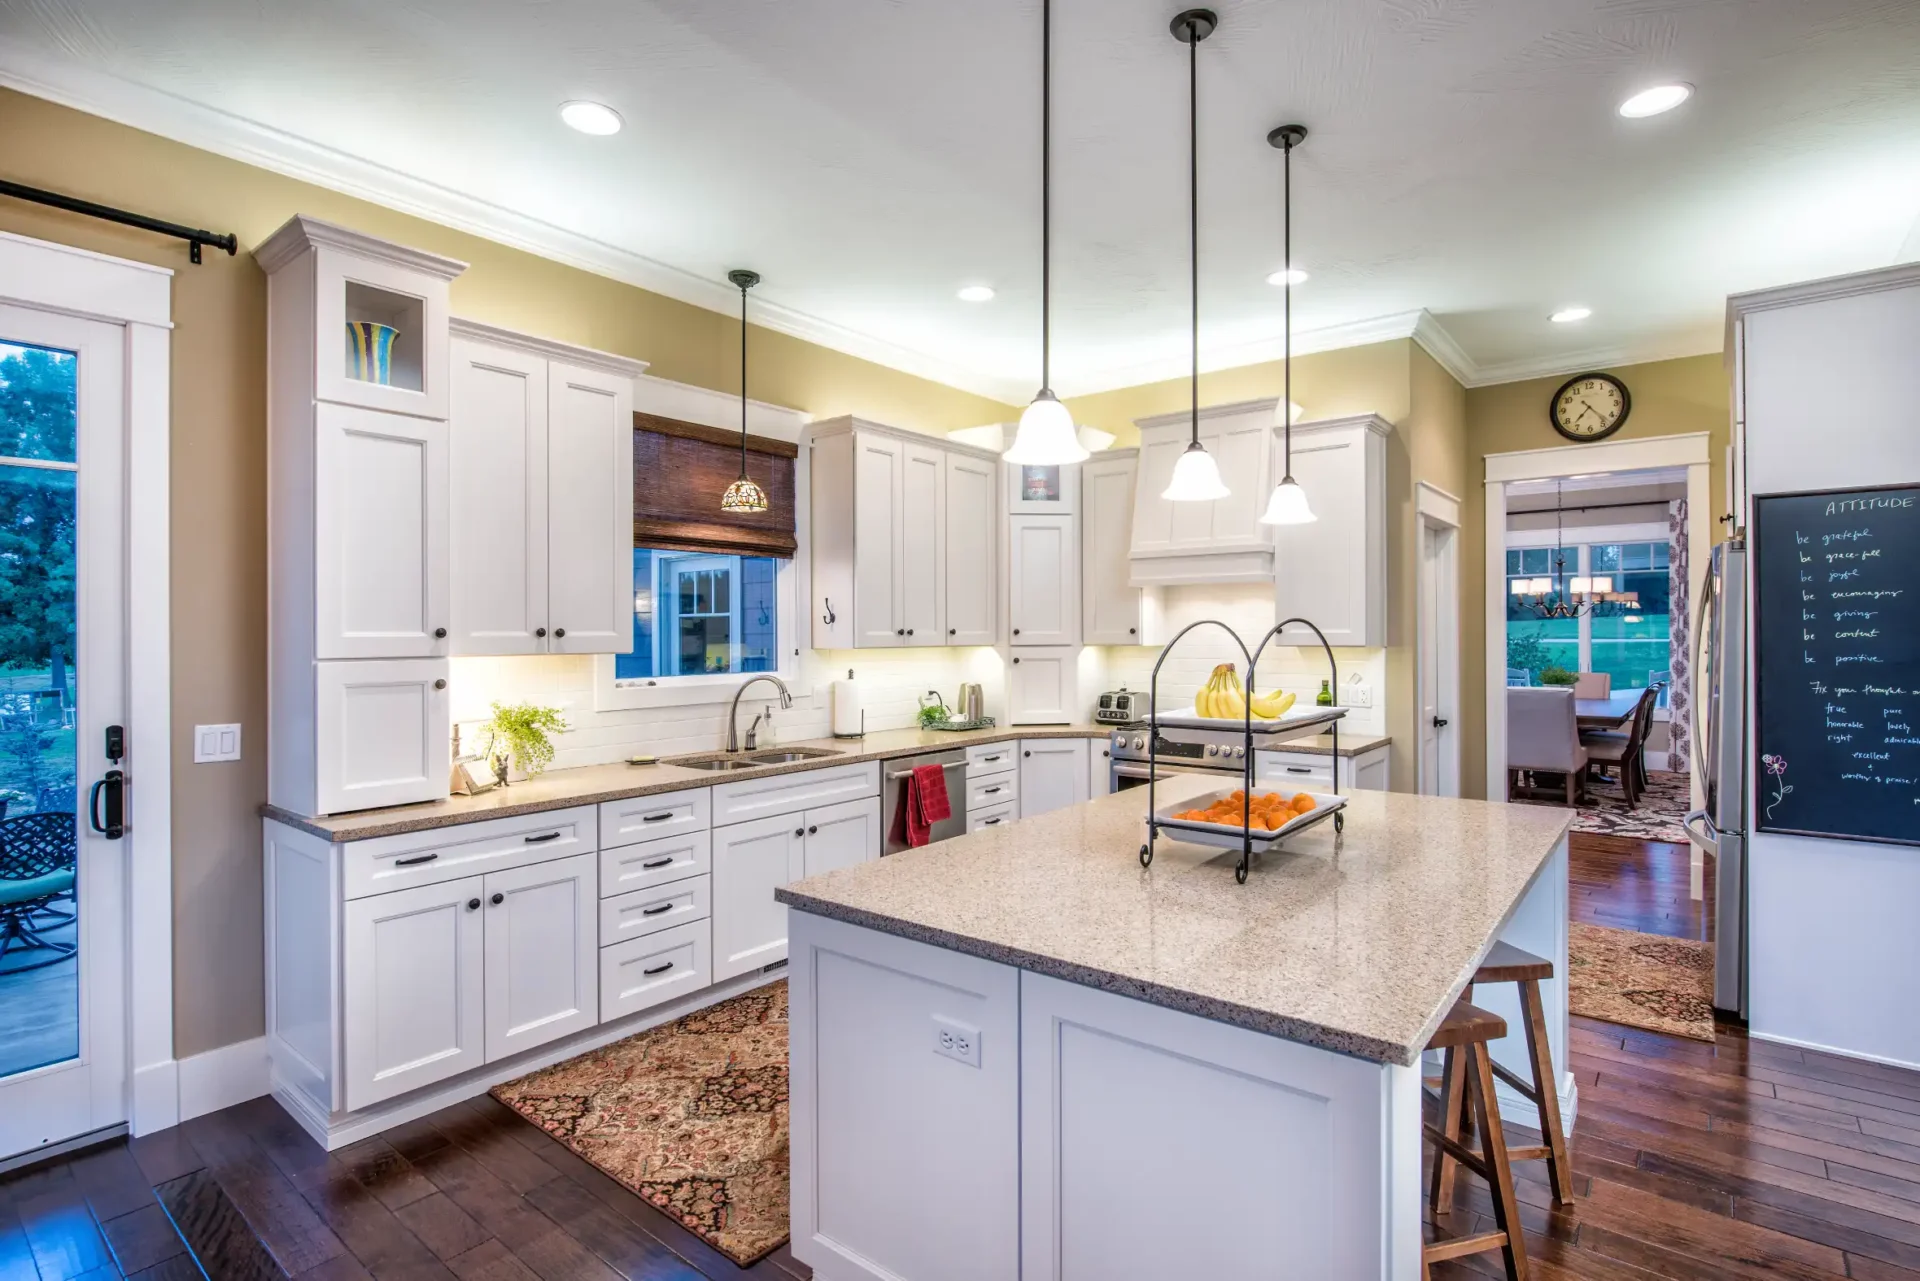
(1679, 634)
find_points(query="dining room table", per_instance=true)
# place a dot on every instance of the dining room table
(1611, 712)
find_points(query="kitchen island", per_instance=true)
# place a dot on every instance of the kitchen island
(1020, 1054)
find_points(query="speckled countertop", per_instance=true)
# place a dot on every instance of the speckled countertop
(1357, 942)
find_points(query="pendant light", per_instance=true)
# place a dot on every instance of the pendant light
(1046, 436)
(1196, 477)
(1288, 505)
(743, 495)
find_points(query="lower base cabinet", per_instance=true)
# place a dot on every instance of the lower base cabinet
(640, 973)
(1053, 774)
(1310, 771)
(751, 860)
(543, 934)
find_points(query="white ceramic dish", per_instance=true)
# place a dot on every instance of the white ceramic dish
(1232, 835)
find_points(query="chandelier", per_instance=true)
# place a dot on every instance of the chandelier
(1583, 594)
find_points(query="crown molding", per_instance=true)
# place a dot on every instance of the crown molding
(1578, 362)
(690, 404)
(1446, 352)
(551, 348)
(300, 233)
(155, 111)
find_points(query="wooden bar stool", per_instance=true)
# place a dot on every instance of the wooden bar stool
(1464, 1034)
(1508, 964)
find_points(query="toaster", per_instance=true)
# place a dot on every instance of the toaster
(1121, 707)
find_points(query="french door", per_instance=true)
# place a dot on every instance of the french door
(63, 910)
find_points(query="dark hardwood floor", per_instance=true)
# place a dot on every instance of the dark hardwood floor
(1723, 1162)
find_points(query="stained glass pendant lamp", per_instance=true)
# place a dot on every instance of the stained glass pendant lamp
(743, 495)
(1196, 476)
(1288, 504)
(1046, 435)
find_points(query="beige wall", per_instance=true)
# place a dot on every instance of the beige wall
(1670, 398)
(219, 458)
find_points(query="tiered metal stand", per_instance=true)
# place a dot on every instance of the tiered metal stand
(1250, 729)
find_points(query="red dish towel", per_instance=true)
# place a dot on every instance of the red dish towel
(927, 803)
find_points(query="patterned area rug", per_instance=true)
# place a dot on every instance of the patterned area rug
(1642, 980)
(691, 1115)
(1656, 818)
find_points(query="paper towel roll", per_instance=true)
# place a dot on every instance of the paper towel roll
(849, 713)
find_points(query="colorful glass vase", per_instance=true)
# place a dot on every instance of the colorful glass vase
(370, 351)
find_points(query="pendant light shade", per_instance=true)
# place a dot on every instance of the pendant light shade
(1046, 436)
(1288, 503)
(1196, 477)
(743, 495)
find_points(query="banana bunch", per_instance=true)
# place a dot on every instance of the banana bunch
(1223, 698)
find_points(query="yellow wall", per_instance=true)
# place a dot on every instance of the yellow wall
(219, 630)
(1670, 398)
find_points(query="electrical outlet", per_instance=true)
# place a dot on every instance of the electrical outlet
(1356, 695)
(957, 1041)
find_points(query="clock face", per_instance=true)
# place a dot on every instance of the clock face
(1590, 406)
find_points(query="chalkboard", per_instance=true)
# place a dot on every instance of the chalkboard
(1837, 645)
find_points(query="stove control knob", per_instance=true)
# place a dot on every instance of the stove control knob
(1138, 743)
(1239, 752)
(1213, 749)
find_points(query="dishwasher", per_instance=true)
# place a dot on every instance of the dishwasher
(893, 797)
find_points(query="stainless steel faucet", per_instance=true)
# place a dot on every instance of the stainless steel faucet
(733, 708)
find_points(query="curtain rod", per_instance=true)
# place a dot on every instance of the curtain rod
(195, 237)
(1588, 507)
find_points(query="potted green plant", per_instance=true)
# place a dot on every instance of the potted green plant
(1558, 676)
(516, 736)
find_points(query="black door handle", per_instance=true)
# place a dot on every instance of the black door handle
(113, 786)
(1439, 722)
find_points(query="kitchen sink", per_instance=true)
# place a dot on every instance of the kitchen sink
(717, 763)
(788, 754)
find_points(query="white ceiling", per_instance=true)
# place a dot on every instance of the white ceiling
(870, 156)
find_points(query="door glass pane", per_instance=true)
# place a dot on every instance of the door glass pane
(39, 968)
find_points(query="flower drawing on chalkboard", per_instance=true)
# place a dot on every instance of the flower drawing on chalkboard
(1777, 767)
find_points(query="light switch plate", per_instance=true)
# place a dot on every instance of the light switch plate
(214, 743)
(1354, 694)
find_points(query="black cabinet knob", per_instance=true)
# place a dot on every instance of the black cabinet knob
(559, 631)
(1016, 662)
(900, 631)
(909, 631)
(799, 831)
(473, 905)
(953, 631)
(498, 899)
(539, 631)
(1026, 753)
(1016, 631)
(440, 683)
(439, 633)
(1133, 631)
(812, 830)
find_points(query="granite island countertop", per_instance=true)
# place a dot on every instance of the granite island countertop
(1357, 942)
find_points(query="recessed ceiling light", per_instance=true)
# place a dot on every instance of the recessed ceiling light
(976, 293)
(1567, 315)
(1651, 102)
(1294, 277)
(591, 117)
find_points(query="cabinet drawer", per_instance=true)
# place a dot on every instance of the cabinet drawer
(630, 916)
(992, 790)
(789, 793)
(644, 972)
(644, 818)
(991, 758)
(991, 816)
(426, 858)
(1302, 772)
(650, 863)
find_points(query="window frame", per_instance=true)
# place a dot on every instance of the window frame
(1579, 539)
(610, 694)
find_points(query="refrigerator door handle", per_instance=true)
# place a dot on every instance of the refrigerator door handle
(1706, 834)
(1706, 673)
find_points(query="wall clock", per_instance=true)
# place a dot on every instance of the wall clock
(1589, 407)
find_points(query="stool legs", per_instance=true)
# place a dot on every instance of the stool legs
(1546, 1090)
(1468, 1079)
(1453, 1106)
(1506, 1208)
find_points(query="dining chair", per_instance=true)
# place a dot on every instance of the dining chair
(1519, 677)
(1625, 751)
(1543, 736)
(1593, 685)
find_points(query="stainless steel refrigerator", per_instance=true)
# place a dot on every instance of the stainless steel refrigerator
(1720, 757)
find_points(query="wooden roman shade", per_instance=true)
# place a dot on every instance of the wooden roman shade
(680, 470)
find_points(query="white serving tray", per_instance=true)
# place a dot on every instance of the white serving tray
(1297, 719)
(1232, 836)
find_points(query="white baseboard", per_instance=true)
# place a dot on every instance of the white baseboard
(222, 1077)
(1885, 1060)
(154, 1097)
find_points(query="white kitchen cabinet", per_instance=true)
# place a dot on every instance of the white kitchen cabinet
(972, 549)
(902, 538)
(1042, 685)
(1312, 772)
(842, 835)
(1053, 774)
(643, 972)
(542, 940)
(498, 564)
(1111, 609)
(380, 534)
(542, 495)
(1043, 598)
(1099, 768)
(751, 861)
(1333, 571)
(1214, 542)
(923, 565)
(380, 733)
(413, 1004)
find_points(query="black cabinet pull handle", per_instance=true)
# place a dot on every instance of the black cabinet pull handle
(991, 822)
(439, 633)
(498, 899)
(990, 791)
(656, 818)
(988, 760)
(415, 861)
(658, 862)
(658, 969)
(543, 838)
(473, 905)
(559, 631)
(656, 909)
(1299, 769)
(539, 631)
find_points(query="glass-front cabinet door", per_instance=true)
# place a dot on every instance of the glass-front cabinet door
(1049, 490)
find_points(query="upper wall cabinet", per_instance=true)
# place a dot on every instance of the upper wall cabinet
(1213, 542)
(542, 495)
(1111, 611)
(1333, 571)
(902, 535)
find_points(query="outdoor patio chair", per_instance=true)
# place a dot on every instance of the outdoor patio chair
(37, 865)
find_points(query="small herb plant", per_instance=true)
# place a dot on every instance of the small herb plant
(1558, 676)
(520, 732)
